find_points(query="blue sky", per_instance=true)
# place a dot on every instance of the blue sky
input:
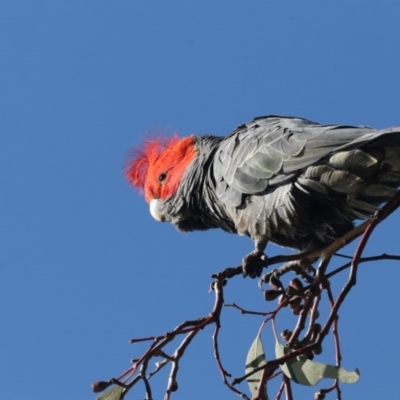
(84, 266)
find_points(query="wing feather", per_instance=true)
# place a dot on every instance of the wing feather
(272, 150)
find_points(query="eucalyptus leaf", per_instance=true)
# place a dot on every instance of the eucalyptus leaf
(306, 372)
(113, 394)
(255, 358)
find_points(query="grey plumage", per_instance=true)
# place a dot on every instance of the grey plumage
(287, 180)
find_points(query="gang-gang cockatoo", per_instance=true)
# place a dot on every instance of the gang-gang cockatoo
(287, 180)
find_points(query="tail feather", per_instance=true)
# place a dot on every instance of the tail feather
(362, 163)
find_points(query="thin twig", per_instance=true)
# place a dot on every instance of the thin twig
(312, 298)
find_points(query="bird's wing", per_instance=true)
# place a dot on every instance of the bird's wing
(271, 150)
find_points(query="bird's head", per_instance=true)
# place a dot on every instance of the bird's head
(157, 169)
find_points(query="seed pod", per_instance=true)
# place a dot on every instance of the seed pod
(291, 291)
(319, 395)
(305, 341)
(100, 386)
(316, 314)
(173, 387)
(297, 311)
(283, 300)
(286, 334)
(317, 329)
(296, 284)
(317, 350)
(295, 301)
(272, 294)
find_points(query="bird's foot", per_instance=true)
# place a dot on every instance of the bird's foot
(253, 264)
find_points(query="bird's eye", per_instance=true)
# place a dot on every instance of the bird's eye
(162, 177)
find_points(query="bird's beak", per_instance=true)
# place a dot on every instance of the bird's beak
(155, 210)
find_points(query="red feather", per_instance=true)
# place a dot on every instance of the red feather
(140, 159)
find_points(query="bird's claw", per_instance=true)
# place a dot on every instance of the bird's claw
(253, 264)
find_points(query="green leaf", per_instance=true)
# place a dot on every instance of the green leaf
(113, 394)
(306, 372)
(255, 358)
